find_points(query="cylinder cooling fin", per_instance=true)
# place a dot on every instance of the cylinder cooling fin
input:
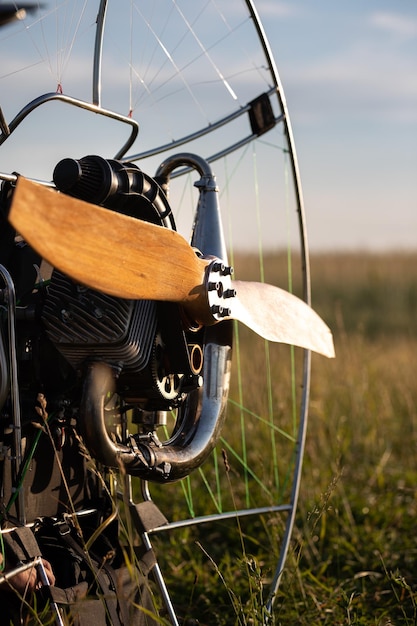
(85, 324)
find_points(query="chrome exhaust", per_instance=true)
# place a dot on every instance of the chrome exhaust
(202, 414)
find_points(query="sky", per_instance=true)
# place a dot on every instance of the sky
(349, 71)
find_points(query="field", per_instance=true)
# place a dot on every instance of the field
(356, 544)
(353, 556)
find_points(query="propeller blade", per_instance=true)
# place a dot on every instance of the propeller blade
(129, 258)
(278, 315)
(108, 251)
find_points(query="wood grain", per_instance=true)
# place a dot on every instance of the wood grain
(104, 250)
(129, 258)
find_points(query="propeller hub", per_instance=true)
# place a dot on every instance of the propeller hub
(218, 286)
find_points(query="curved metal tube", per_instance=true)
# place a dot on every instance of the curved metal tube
(81, 104)
(201, 417)
(207, 228)
(302, 429)
(188, 159)
(200, 420)
(4, 372)
(14, 388)
(98, 52)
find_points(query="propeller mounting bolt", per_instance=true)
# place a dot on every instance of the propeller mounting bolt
(213, 286)
(229, 293)
(218, 267)
(227, 270)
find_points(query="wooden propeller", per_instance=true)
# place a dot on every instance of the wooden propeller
(129, 258)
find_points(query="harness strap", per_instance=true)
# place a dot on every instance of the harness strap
(20, 545)
(64, 596)
(103, 574)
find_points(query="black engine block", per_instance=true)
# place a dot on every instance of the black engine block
(85, 324)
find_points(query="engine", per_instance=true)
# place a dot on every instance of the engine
(155, 364)
(96, 357)
(142, 340)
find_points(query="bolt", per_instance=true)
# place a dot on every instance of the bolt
(66, 316)
(212, 286)
(229, 293)
(218, 267)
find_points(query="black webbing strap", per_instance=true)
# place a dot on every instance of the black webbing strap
(64, 596)
(20, 545)
(102, 573)
(146, 559)
(146, 516)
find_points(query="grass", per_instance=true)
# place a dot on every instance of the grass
(353, 555)
(355, 545)
(357, 510)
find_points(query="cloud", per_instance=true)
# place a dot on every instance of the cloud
(364, 79)
(398, 25)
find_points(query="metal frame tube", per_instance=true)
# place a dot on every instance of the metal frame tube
(98, 52)
(14, 391)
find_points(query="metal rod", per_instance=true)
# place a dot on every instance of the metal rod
(98, 52)
(20, 569)
(226, 151)
(156, 571)
(14, 391)
(302, 433)
(4, 127)
(88, 106)
(38, 564)
(45, 581)
(197, 134)
(290, 138)
(4, 372)
(302, 430)
(218, 517)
